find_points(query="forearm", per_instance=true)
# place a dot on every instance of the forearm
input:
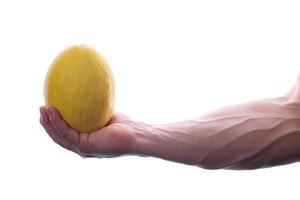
(253, 135)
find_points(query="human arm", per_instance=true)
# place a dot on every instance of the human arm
(256, 134)
(252, 135)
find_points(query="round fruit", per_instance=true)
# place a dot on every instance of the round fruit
(80, 85)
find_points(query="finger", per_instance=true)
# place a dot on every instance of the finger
(62, 127)
(47, 125)
(51, 130)
(53, 133)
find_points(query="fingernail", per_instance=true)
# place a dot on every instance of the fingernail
(42, 110)
(48, 109)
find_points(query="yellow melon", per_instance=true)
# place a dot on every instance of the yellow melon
(80, 85)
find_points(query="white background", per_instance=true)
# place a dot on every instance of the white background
(172, 60)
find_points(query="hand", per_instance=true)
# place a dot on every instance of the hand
(113, 140)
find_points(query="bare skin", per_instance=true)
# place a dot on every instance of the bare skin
(253, 135)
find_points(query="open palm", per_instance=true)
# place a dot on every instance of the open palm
(114, 139)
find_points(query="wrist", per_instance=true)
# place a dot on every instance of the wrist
(167, 142)
(144, 138)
